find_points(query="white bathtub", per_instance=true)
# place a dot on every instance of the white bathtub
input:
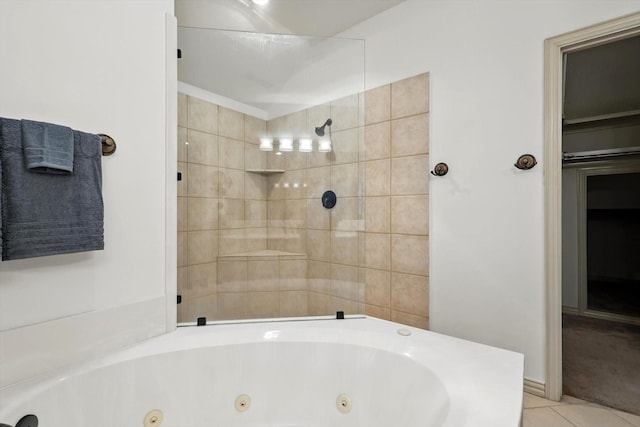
(352, 372)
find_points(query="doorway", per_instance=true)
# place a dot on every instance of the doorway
(601, 239)
(610, 262)
(555, 50)
(601, 282)
(601, 224)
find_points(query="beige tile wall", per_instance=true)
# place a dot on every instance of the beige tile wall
(297, 221)
(222, 209)
(368, 254)
(396, 268)
(224, 270)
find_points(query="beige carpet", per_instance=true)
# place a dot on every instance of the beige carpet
(601, 362)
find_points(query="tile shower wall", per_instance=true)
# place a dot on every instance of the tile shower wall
(298, 223)
(254, 245)
(221, 208)
(396, 265)
(225, 269)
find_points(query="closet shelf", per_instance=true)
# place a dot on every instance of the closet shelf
(602, 117)
(265, 171)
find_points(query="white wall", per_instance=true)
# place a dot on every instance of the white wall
(100, 67)
(485, 59)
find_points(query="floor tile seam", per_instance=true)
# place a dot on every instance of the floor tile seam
(600, 407)
(548, 405)
(619, 417)
(618, 411)
(565, 418)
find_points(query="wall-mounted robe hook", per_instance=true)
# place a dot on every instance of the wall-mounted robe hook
(108, 144)
(526, 162)
(26, 421)
(441, 169)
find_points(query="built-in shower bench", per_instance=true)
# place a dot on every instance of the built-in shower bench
(263, 283)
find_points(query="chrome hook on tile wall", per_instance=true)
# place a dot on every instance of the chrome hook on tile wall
(526, 162)
(441, 169)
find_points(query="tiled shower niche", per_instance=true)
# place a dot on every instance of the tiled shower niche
(253, 238)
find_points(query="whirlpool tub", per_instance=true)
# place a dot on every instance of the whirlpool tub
(361, 372)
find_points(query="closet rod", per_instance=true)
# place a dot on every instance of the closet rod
(581, 155)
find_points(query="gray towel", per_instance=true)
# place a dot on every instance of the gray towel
(44, 214)
(48, 148)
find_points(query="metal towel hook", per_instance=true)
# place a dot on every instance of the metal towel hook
(526, 162)
(26, 421)
(108, 144)
(441, 169)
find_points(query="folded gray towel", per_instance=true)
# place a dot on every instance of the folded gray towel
(48, 148)
(44, 214)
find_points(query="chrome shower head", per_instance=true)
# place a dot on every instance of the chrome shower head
(320, 129)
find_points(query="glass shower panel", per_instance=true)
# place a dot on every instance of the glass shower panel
(254, 238)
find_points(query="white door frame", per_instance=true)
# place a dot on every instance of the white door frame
(554, 49)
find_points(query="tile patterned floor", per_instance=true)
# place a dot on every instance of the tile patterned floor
(572, 412)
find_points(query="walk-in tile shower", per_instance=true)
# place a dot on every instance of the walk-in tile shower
(268, 124)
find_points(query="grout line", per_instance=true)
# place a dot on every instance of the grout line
(613, 412)
(569, 421)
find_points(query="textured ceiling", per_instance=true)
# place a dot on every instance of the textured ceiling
(278, 58)
(322, 18)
